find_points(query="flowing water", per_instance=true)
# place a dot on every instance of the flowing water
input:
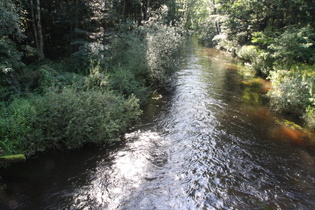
(203, 145)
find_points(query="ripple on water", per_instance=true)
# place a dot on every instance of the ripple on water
(204, 151)
(201, 149)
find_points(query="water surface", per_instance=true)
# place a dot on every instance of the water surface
(203, 145)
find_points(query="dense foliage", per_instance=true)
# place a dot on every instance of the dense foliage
(76, 72)
(67, 65)
(67, 118)
(276, 39)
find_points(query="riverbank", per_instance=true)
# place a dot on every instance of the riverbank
(63, 105)
(292, 84)
(286, 127)
(289, 126)
(273, 42)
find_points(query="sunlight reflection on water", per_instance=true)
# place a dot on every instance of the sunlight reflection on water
(203, 146)
(204, 151)
(111, 183)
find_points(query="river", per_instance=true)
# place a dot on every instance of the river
(202, 145)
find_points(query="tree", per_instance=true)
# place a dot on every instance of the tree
(10, 31)
(9, 20)
(37, 27)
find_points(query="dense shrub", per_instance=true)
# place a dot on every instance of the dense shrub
(98, 77)
(9, 84)
(295, 44)
(10, 57)
(92, 96)
(263, 63)
(259, 60)
(205, 36)
(293, 90)
(66, 119)
(88, 53)
(286, 47)
(247, 53)
(10, 64)
(15, 125)
(310, 116)
(9, 19)
(163, 44)
(125, 82)
(149, 51)
(45, 75)
(128, 66)
(223, 43)
(128, 50)
(142, 57)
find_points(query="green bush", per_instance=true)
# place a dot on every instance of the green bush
(121, 80)
(259, 60)
(266, 37)
(163, 45)
(9, 84)
(149, 51)
(128, 50)
(15, 125)
(10, 57)
(247, 53)
(87, 53)
(46, 75)
(263, 63)
(66, 119)
(98, 77)
(286, 47)
(223, 43)
(206, 33)
(310, 116)
(10, 64)
(125, 82)
(295, 44)
(292, 89)
(9, 19)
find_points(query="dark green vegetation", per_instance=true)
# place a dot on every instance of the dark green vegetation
(77, 71)
(276, 38)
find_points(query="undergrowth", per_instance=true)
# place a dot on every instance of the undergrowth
(90, 97)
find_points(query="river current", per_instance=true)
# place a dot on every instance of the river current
(200, 145)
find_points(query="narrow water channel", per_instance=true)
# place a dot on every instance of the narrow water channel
(203, 145)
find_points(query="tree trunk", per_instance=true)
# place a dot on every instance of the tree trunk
(40, 32)
(34, 24)
(146, 6)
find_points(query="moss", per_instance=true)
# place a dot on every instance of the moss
(12, 158)
(289, 124)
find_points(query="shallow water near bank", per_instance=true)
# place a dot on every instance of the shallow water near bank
(204, 144)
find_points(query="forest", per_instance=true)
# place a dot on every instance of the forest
(75, 72)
